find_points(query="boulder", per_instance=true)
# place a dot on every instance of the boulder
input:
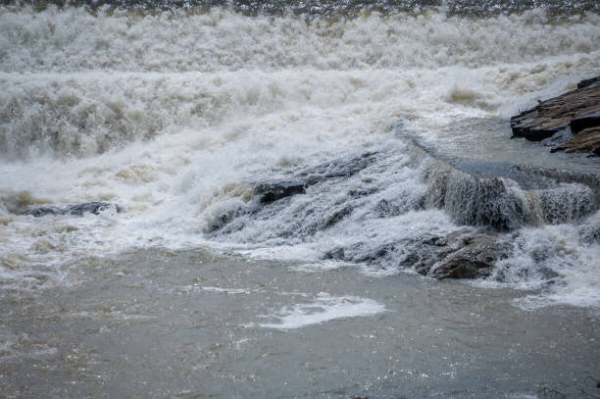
(474, 257)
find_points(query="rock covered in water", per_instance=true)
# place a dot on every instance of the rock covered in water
(273, 191)
(74, 210)
(269, 192)
(464, 254)
(571, 121)
(273, 196)
(476, 200)
(304, 205)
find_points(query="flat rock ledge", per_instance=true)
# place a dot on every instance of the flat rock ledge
(569, 122)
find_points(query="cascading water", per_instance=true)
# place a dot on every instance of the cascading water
(213, 157)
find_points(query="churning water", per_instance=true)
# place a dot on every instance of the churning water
(314, 155)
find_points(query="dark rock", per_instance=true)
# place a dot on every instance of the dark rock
(44, 210)
(559, 118)
(75, 210)
(223, 219)
(464, 254)
(585, 121)
(475, 257)
(588, 82)
(271, 192)
(336, 253)
(337, 215)
(557, 140)
(90, 207)
(339, 168)
(272, 197)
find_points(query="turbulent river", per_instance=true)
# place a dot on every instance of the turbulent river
(261, 199)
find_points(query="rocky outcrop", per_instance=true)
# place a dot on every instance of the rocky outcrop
(491, 203)
(569, 122)
(588, 140)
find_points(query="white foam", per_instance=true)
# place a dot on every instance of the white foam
(556, 249)
(322, 266)
(321, 309)
(79, 84)
(71, 39)
(173, 116)
(282, 253)
(232, 291)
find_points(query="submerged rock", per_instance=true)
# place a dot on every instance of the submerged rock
(273, 191)
(570, 122)
(269, 192)
(272, 197)
(75, 210)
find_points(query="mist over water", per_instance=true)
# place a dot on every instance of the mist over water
(325, 137)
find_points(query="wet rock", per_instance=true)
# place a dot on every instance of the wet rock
(585, 121)
(475, 257)
(339, 168)
(464, 254)
(272, 198)
(271, 192)
(588, 140)
(576, 113)
(75, 210)
(588, 82)
(342, 168)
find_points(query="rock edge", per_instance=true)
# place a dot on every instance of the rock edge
(569, 122)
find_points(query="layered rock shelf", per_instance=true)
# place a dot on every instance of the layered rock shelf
(569, 122)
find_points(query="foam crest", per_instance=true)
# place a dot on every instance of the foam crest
(72, 39)
(323, 308)
(559, 261)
